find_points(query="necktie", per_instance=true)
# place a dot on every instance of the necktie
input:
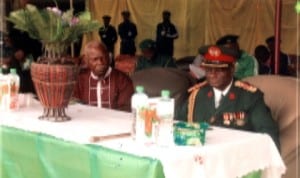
(220, 101)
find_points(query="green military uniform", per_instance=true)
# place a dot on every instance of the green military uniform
(246, 66)
(242, 108)
(155, 61)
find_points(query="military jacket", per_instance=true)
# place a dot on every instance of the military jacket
(246, 66)
(165, 35)
(108, 36)
(128, 32)
(156, 61)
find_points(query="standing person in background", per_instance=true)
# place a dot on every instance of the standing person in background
(166, 33)
(101, 85)
(283, 58)
(7, 51)
(262, 54)
(246, 65)
(128, 32)
(108, 35)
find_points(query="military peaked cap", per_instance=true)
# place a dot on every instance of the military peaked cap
(125, 13)
(106, 17)
(147, 44)
(227, 39)
(166, 12)
(218, 56)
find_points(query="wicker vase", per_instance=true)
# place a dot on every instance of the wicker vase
(54, 86)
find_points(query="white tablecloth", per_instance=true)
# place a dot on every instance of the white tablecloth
(226, 154)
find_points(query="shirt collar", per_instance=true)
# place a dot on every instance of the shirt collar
(95, 77)
(224, 92)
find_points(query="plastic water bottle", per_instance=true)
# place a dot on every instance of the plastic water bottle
(165, 113)
(13, 89)
(3, 89)
(139, 100)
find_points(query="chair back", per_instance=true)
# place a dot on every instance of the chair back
(282, 95)
(157, 78)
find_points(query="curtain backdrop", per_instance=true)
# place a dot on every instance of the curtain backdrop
(201, 22)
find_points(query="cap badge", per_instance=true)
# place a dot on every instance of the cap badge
(214, 51)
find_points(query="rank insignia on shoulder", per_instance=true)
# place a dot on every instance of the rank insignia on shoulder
(246, 86)
(197, 86)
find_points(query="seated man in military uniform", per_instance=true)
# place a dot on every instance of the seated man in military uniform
(221, 100)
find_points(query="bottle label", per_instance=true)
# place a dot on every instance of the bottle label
(133, 126)
(13, 102)
(146, 125)
(3, 93)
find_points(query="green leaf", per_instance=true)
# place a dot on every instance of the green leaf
(51, 27)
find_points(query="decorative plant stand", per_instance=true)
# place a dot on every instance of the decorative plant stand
(54, 86)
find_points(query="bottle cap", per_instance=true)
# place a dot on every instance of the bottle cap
(139, 89)
(165, 94)
(13, 70)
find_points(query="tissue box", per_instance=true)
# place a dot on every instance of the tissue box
(190, 133)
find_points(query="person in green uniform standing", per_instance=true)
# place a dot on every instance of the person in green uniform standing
(150, 57)
(221, 100)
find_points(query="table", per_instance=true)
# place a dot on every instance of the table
(35, 148)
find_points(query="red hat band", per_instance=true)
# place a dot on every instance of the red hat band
(219, 58)
(214, 54)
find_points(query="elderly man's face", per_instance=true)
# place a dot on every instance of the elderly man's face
(98, 62)
(219, 78)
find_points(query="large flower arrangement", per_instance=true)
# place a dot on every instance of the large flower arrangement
(55, 29)
(54, 83)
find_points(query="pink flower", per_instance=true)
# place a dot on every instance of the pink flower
(74, 21)
(55, 10)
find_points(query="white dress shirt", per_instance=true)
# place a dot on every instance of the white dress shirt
(218, 94)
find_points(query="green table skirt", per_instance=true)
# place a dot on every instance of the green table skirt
(32, 155)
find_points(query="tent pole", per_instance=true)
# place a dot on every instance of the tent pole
(72, 44)
(277, 35)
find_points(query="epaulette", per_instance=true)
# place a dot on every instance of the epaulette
(197, 86)
(245, 85)
(191, 102)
